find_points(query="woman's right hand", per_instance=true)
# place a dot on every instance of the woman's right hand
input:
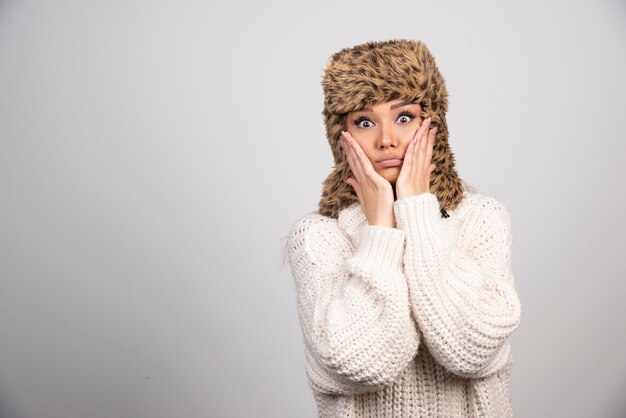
(374, 191)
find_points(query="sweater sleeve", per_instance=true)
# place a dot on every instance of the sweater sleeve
(352, 305)
(461, 284)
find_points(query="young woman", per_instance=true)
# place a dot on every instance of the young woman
(405, 287)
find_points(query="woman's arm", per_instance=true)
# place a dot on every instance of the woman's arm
(461, 285)
(353, 305)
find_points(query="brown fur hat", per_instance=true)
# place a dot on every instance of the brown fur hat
(372, 73)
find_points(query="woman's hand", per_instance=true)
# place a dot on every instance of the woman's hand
(374, 191)
(414, 177)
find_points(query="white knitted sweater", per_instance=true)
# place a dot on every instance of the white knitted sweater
(411, 321)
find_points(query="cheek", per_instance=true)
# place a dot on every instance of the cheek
(362, 143)
(406, 140)
(371, 155)
(408, 134)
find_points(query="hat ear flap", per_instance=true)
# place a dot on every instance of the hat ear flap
(336, 193)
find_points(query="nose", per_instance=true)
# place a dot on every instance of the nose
(387, 137)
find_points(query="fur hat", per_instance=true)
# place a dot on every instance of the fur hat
(372, 73)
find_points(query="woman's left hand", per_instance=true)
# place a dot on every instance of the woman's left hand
(414, 177)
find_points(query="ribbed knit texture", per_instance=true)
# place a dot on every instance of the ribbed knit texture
(411, 321)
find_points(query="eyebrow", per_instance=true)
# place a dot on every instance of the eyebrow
(404, 103)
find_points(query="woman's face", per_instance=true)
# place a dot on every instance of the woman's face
(383, 130)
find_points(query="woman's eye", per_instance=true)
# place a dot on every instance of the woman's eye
(406, 117)
(361, 121)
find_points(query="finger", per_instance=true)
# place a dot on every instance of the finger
(407, 161)
(430, 145)
(419, 131)
(418, 157)
(345, 148)
(357, 149)
(419, 134)
(421, 159)
(364, 164)
(355, 165)
(348, 155)
(355, 185)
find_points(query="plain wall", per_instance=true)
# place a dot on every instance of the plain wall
(153, 154)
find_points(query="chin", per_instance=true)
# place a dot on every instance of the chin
(390, 174)
(391, 179)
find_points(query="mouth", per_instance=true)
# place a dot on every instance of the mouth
(392, 162)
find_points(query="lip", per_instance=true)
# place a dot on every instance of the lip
(390, 160)
(389, 157)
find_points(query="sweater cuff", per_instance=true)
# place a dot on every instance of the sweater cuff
(418, 215)
(380, 248)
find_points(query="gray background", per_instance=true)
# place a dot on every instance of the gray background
(153, 154)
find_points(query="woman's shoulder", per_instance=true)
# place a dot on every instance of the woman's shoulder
(486, 216)
(313, 220)
(313, 226)
(476, 202)
(318, 239)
